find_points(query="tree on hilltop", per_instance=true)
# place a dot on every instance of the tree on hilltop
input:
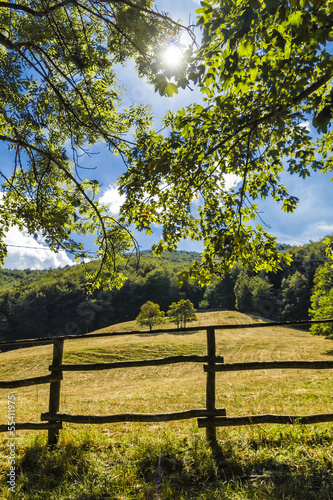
(182, 312)
(150, 315)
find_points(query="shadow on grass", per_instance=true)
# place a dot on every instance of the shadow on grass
(329, 353)
(220, 475)
(183, 333)
(164, 471)
(153, 334)
(63, 473)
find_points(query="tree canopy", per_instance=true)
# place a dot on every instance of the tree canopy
(322, 301)
(265, 72)
(58, 96)
(150, 315)
(182, 312)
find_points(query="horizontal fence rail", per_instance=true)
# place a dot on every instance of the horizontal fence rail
(265, 419)
(133, 417)
(270, 365)
(46, 379)
(138, 363)
(33, 426)
(209, 417)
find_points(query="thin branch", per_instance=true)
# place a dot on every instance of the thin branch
(155, 13)
(70, 176)
(46, 12)
(241, 199)
(114, 25)
(258, 214)
(296, 100)
(33, 12)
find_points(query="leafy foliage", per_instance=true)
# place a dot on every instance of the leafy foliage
(150, 315)
(262, 295)
(264, 70)
(182, 312)
(220, 295)
(243, 293)
(284, 295)
(254, 294)
(295, 297)
(322, 300)
(58, 96)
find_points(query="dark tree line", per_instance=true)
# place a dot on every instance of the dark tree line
(284, 295)
(46, 303)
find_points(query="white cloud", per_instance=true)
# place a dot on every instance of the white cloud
(306, 125)
(231, 181)
(113, 199)
(24, 252)
(326, 227)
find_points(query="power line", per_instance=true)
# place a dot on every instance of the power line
(33, 248)
(41, 248)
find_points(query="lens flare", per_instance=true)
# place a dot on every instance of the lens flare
(172, 55)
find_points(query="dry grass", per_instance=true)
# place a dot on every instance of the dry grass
(122, 461)
(177, 387)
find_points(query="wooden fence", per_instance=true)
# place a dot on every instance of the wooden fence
(208, 417)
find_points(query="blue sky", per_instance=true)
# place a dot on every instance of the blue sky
(312, 220)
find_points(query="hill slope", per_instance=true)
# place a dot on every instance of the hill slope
(178, 386)
(173, 460)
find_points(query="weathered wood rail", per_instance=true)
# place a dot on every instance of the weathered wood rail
(209, 417)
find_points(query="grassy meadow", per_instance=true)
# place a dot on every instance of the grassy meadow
(173, 460)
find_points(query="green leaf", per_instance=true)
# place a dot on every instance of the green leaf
(170, 89)
(245, 49)
(295, 18)
(322, 119)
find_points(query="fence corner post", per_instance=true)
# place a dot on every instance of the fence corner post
(54, 400)
(210, 385)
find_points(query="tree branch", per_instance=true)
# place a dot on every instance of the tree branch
(296, 100)
(242, 194)
(155, 13)
(49, 156)
(36, 13)
(46, 12)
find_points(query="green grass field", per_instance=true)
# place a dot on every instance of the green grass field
(173, 460)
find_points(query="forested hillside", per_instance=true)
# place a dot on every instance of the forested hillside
(54, 302)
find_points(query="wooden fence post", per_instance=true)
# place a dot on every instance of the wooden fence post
(58, 348)
(210, 384)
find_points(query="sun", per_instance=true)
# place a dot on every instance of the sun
(172, 54)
